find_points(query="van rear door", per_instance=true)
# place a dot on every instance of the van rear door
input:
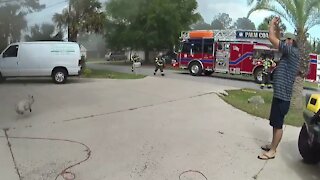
(9, 61)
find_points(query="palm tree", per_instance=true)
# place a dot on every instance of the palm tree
(302, 15)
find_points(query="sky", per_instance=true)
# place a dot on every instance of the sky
(207, 8)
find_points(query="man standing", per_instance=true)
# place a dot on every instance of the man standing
(284, 78)
(159, 63)
(134, 59)
(268, 64)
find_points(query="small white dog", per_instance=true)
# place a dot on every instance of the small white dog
(24, 105)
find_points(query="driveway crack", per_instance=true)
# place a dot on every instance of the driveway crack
(137, 108)
(13, 158)
(257, 175)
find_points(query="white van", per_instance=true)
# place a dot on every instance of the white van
(30, 59)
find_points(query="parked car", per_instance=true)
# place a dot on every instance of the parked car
(309, 138)
(115, 56)
(29, 59)
(170, 57)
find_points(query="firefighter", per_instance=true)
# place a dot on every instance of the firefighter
(268, 64)
(159, 63)
(134, 58)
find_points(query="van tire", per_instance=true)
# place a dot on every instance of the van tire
(195, 69)
(59, 75)
(310, 154)
(2, 79)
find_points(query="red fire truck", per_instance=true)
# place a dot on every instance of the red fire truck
(225, 51)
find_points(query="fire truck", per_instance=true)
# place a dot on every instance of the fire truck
(225, 51)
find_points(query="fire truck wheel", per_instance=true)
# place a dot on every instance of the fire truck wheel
(195, 69)
(208, 73)
(258, 75)
(2, 79)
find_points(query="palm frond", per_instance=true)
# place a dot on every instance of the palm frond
(260, 5)
(272, 8)
(312, 4)
(250, 2)
(301, 14)
(313, 20)
(312, 10)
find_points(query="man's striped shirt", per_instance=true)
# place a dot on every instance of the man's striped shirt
(286, 72)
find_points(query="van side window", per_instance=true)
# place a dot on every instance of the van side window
(12, 51)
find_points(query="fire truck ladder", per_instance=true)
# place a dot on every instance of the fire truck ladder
(225, 35)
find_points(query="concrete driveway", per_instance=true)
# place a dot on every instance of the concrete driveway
(153, 128)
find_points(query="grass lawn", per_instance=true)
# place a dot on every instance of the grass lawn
(239, 100)
(111, 75)
(310, 85)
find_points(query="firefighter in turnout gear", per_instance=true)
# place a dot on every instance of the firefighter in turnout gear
(159, 63)
(134, 59)
(268, 64)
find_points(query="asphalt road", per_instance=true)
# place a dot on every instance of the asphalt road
(183, 75)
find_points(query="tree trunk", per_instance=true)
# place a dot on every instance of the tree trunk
(296, 101)
(74, 36)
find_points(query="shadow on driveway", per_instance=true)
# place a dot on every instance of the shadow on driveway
(43, 81)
